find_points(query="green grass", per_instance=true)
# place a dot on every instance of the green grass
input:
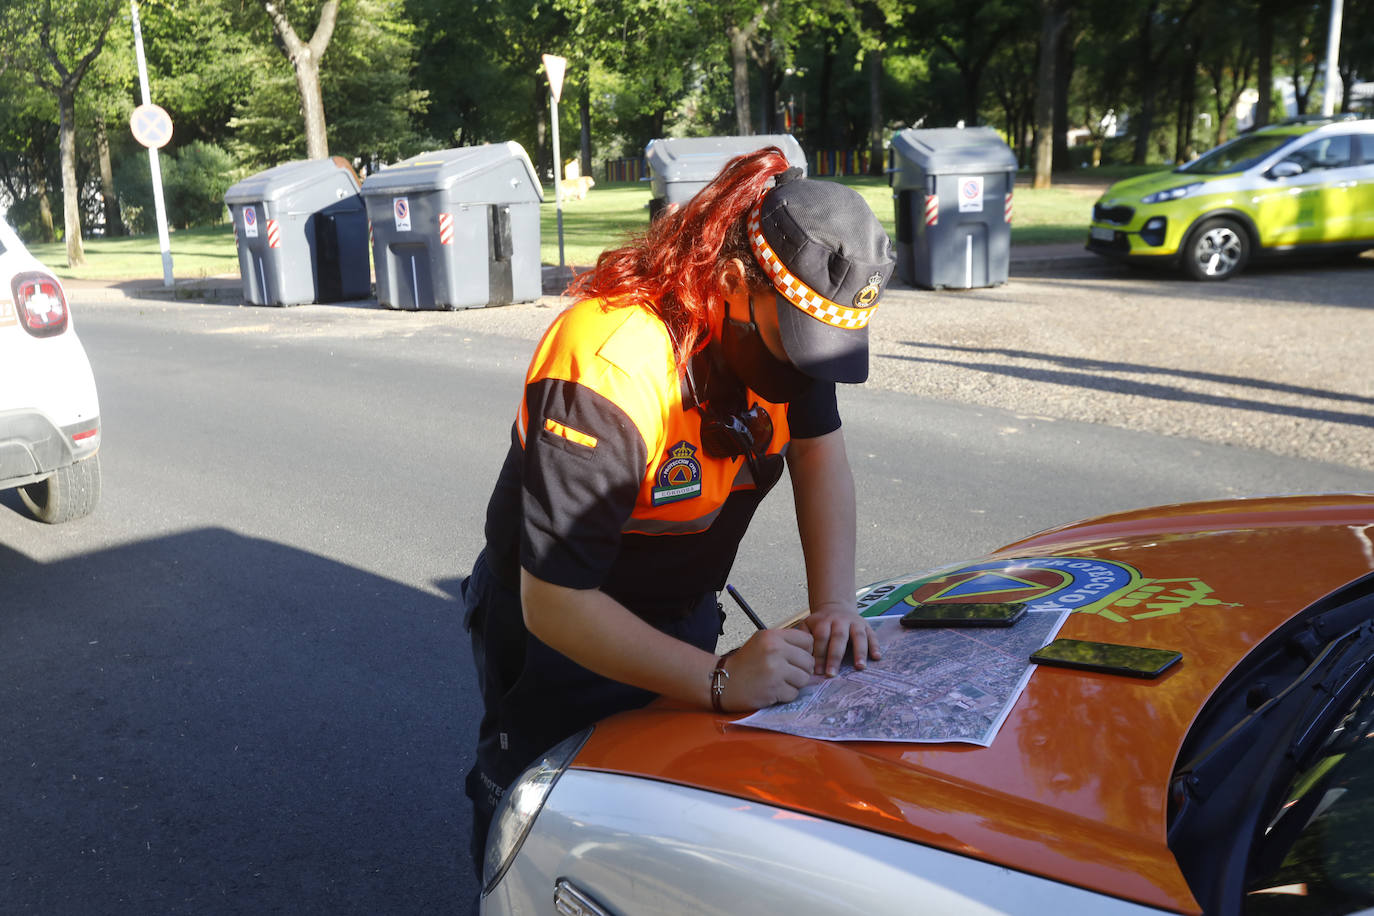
(610, 213)
(196, 253)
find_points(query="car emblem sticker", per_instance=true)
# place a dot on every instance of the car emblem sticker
(1086, 585)
(679, 477)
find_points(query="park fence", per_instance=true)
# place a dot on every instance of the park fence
(633, 168)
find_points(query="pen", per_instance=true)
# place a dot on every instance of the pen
(744, 606)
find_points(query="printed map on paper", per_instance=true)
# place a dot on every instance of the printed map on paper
(931, 685)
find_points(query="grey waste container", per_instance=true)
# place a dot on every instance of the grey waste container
(952, 189)
(456, 228)
(301, 230)
(681, 166)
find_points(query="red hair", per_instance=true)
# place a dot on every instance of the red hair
(673, 267)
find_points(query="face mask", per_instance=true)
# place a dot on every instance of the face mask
(749, 360)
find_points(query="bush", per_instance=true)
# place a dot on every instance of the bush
(194, 180)
(200, 173)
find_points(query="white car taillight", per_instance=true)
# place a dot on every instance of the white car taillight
(42, 307)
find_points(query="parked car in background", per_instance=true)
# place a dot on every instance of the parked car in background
(1240, 780)
(1305, 185)
(49, 412)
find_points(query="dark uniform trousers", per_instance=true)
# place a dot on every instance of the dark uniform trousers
(533, 696)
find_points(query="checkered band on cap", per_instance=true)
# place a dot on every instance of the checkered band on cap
(797, 292)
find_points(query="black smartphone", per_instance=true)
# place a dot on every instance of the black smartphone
(1136, 661)
(969, 614)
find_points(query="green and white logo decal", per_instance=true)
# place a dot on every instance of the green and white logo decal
(1085, 585)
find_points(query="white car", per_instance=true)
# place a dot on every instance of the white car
(49, 413)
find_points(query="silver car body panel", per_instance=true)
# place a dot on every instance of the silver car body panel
(637, 846)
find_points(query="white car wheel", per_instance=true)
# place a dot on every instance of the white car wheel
(70, 493)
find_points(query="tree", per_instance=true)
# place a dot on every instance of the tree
(1162, 23)
(28, 164)
(305, 57)
(1054, 16)
(1226, 59)
(55, 42)
(968, 34)
(376, 113)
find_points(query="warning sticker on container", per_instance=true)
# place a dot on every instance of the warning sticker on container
(401, 207)
(250, 222)
(971, 195)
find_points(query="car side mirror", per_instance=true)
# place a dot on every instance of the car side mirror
(1285, 169)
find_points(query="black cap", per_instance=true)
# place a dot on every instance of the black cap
(829, 260)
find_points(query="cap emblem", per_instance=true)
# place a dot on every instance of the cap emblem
(802, 296)
(869, 294)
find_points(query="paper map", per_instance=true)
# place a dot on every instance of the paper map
(931, 685)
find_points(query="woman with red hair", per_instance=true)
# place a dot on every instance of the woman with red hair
(658, 411)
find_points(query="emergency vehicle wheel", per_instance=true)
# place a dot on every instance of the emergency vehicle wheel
(1216, 250)
(70, 493)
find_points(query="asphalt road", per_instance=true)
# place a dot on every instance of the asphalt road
(242, 685)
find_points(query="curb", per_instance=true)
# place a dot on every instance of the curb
(1035, 259)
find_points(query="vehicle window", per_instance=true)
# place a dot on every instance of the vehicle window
(1326, 153)
(1237, 155)
(1317, 855)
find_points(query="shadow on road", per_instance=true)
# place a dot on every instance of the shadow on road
(1086, 373)
(210, 723)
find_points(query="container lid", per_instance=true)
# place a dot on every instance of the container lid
(289, 178)
(483, 170)
(702, 158)
(944, 150)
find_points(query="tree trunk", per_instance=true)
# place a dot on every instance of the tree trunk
(1187, 89)
(1266, 64)
(584, 115)
(768, 95)
(825, 130)
(1063, 74)
(114, 226)
(45, 220)
(305, 60)
(1052, 20)
(544, 153)
(739, 60)
(875, 111)
(71, 201)
(972, 91)
(1145, 119)
(312, 108)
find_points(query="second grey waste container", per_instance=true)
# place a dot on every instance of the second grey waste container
(457, 228)
(952, 188)
(681, 166)
(301, 231)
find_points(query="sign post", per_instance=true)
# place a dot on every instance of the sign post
(152, 127)
(555, 67)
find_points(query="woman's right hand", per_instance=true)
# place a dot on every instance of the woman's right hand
(772, 667)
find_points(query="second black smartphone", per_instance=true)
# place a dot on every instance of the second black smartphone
(964, 614)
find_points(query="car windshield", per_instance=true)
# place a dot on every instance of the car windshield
(1317, 854)
(1237, 155)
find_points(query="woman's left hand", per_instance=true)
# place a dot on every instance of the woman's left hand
(834, 628)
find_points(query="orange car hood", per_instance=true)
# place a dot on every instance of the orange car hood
(1074, 787)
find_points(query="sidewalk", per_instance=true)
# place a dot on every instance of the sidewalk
(226, 289)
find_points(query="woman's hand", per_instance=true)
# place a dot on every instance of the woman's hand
(772, 667)
(832, 628)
